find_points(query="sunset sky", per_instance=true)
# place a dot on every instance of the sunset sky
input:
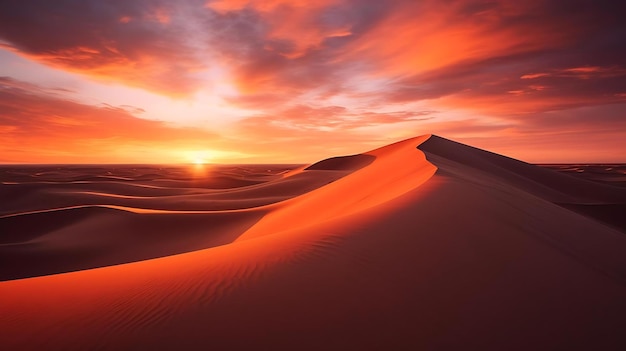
(294, 81)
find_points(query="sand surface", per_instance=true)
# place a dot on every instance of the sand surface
(425, 244)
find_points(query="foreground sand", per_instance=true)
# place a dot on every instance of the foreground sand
(425, 244)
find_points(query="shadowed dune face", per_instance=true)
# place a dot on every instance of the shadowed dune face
(425, 244)
(343, 163)
(540, 181)
(594, 194)
(90, 237)
(611, 174)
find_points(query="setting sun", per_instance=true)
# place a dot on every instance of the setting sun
(199, 157)
(199, 161)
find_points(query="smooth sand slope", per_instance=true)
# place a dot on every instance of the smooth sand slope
(425, 244)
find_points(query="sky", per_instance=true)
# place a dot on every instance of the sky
(294, 81)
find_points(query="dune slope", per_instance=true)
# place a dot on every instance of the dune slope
(429, 245)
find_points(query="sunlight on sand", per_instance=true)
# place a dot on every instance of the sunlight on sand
(199, 169)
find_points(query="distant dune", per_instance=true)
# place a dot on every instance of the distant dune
(425, 244)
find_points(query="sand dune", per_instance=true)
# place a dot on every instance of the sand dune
(425, 244)
(536, 180)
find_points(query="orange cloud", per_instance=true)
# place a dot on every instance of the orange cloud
(585, 72)
(37, 126)
(331, 119)
(417, 38)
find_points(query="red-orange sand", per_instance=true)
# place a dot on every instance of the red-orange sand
(425, 244)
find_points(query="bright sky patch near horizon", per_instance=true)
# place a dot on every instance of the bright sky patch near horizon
(292, 81)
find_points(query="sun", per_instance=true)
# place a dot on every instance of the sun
(199, 157)
(199, 161)
(205, 157)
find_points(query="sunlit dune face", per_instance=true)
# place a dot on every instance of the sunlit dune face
(199, 169)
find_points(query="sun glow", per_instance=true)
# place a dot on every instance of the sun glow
(202, 157)
(199, 162)
(199, 158)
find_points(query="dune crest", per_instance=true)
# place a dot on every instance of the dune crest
(425, 244)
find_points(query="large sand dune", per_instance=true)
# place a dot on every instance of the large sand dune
(425, 244)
